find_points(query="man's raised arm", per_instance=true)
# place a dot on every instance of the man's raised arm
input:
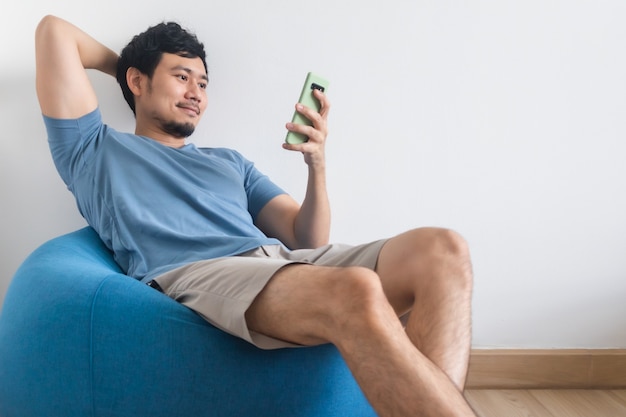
(63, 52)
(308, 225)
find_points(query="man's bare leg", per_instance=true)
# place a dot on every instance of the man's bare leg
(428, 272)
(310, 305)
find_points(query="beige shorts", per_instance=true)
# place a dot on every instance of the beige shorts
(222, 289)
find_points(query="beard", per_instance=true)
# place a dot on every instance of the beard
(178, 130)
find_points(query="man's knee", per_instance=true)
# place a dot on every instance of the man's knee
(441, 253)
(451, 250)
(356, 287)
(440, 241)
(358, 299)
(454, 243)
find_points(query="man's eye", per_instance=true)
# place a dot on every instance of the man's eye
(202, 86)
(182, 77)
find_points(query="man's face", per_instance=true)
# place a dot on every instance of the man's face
(175, 97)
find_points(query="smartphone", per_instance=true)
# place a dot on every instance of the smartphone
(312, 82)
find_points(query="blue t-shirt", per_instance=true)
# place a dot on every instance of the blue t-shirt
(158, 207)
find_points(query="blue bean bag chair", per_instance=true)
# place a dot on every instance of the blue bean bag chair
(79, 338)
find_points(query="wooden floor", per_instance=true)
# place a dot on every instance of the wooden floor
(548, 403)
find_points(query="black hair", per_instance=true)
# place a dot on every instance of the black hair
(145, 50)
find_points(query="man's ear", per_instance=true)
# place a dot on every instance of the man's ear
(134, 79)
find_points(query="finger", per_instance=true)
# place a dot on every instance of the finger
(311, 132)
(317, 122)
(309, 113)
(324, 103)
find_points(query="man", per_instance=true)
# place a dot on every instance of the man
(206, 228)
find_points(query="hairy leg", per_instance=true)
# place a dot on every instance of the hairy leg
(310, 305)
(428, 272)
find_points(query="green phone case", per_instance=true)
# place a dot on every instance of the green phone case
(307, 99)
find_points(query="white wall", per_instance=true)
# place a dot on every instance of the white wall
(505, 120)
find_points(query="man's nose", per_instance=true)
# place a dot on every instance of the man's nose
(194, 92)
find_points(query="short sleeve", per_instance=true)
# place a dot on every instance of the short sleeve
(72, 142)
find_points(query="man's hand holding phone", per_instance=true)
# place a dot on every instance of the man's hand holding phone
(308, 128)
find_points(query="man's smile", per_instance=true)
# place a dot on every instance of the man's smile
(190, 107)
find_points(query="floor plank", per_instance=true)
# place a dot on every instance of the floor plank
(547, 403)
(580, 403)
(620, 395)
(509, 403)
